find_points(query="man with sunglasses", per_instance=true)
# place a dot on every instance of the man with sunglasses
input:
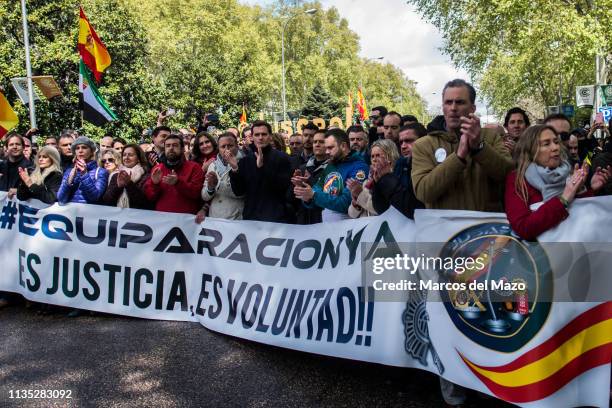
(377, 116)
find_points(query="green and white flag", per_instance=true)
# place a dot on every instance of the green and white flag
(606, 95)
(95, 110)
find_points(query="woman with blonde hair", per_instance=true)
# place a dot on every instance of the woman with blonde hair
(384, 153)
(543, 174)
(45, 180)
(110, 160)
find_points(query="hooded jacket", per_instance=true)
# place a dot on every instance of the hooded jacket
(442, 180)
(331, 192)
(85, 188)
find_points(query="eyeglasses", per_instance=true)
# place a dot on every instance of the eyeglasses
(109, 160)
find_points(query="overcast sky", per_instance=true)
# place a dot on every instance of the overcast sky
(394, 30)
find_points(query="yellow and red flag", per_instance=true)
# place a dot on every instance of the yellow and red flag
(584, 343)
(243, 117)
(361, 106)
(8, 117)
(92, 49)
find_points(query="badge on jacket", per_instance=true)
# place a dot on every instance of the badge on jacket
(440, 155)
(360, 175)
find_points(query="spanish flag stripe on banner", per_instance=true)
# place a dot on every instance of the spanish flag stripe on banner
(8, 117)
(542, 389)
(92, 49)
(584, 343)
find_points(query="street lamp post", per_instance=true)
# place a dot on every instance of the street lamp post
(310, 12)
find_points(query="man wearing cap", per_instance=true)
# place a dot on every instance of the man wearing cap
(84, 181)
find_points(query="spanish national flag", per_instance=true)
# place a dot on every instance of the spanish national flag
(8, 117)
(92, 49)
(243, 117)
(361, 106)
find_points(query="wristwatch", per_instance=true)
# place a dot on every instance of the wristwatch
(478, 149)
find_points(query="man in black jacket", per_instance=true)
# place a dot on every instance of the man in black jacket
(309, 173)
(9, 173)
(262, 178)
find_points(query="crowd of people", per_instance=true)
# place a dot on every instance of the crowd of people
(322, 175)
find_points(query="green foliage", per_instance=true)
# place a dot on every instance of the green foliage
(127, 87)
(524, 50)
(320, 104)
(195, 56)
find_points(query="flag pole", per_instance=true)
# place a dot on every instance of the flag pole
(26, 41)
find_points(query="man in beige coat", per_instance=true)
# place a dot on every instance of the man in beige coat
(460, 166)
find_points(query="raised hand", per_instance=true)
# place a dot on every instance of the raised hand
(170, 179)
(123, 178)
(81, 166)
(206, 164)
(355, 188)
(303, 192)
(464, 148)
(156, 175)
(230, 159)
(24, 176)
(600, 178)
(575, 182)
(260, 159)
(470, 126)
(211, 179)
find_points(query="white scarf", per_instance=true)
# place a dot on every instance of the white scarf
(136, 174)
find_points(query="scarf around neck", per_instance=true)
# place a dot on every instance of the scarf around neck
(550, 182)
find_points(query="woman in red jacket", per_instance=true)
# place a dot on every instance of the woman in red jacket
(543, 174)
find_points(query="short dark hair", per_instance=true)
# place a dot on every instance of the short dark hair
(259, 123)
(409, 118)
(355, 129)
(227, 134)
(338, 134)
(50, 137)
(158, 129)
(514, 111)
(383, 111)
(17, 135)
(418, 128)
(556, 116)
(394, 113)
(459, 83)
(196, 153)
(69, 133)
(174, 136)
(310, 126)
(120, 140)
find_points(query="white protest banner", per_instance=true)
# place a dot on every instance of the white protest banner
(528, 351)
(302, 287)
(585, 96)
(292, 286)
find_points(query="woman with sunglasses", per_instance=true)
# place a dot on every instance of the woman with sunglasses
(125, 188)
(110, 160)
(45, 180)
